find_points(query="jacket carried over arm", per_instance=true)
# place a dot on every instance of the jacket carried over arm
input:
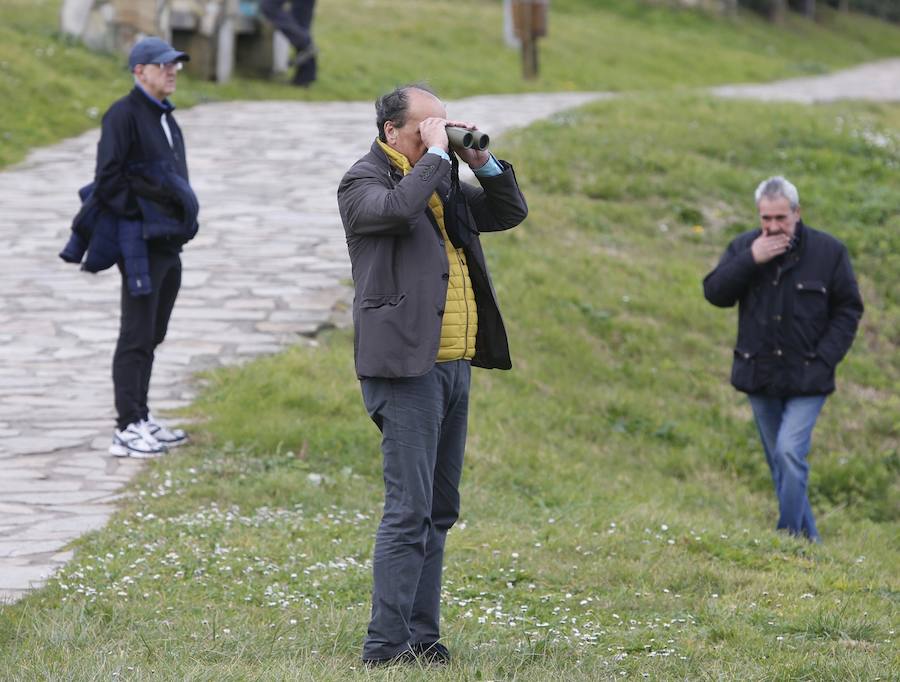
(797, 314)
(400, 266)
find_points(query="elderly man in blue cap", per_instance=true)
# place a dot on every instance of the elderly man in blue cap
(142, 171)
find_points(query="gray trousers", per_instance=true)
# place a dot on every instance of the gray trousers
(423, 425)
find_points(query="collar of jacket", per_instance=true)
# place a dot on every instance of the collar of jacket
(789, 258)
(401, 164)
(797, 241)
(165, 105)
(378, 154)
(799, 234)
(396, 159)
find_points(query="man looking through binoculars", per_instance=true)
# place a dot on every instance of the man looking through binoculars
(424, 311)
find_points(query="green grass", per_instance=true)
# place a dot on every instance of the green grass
(52, 88)
(617, 513)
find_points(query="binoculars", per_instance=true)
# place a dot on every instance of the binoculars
(468, 139)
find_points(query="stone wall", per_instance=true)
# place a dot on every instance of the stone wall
(213, 32)
(115, 25)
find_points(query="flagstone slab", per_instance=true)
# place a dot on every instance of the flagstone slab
(20, 547)
(49, 499)
(23, 445)
(19, 578)
(38, 486)
(66, 526)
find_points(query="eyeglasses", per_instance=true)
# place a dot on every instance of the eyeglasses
(171, 67)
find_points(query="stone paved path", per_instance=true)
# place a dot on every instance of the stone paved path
(269, 264)
(878, 81)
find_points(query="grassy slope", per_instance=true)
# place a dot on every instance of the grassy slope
(616, 507)
(52, 89)
(617, 511)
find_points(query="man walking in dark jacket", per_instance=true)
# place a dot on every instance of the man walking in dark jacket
(798, 311)
(140, 147)
(424, 312)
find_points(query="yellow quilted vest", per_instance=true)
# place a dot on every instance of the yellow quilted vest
(459, 324)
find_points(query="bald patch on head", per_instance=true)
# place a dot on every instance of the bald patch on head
(422, 99)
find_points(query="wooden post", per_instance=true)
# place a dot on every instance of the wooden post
(778, 11)
(529, 24)
(809, 8)
(529, 43)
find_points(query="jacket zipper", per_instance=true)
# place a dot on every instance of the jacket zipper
(462, 271)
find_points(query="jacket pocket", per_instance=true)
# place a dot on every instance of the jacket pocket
(743, 370)
(816, 377)
(811, 299)
(381, 300)
(810, 313)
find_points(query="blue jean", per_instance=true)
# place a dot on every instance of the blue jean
(785, 427)
(423, 426)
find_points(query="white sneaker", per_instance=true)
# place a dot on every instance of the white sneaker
(136, 441)
(167, 436)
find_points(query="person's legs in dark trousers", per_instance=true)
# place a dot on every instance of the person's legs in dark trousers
(286, 22)
(785, 428)
(169, 286)
(306, 66)
(142, 327)
(423, 425)
(296, 25)
(425, 619)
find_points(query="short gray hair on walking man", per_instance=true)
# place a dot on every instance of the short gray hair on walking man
(392, 106)
(775, 187)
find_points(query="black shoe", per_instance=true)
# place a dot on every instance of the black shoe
(302, 78)
(432, 653)
(305, 54)
(404, 657)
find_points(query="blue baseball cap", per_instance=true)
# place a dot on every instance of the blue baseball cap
(154, 50)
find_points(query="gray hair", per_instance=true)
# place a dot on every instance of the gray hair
(776, 187)
(394, 105)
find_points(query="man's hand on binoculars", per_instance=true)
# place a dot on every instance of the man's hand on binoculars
(476, 158)
(434, 134)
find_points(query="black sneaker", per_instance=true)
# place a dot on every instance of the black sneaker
(432, 653)
(404, 657)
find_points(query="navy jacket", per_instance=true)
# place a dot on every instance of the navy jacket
(797, 314)
(132, 134)
(108, 239)
(141, 199)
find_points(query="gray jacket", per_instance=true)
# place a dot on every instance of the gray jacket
(400, 268)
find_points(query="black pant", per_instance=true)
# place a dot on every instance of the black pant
(142, 328)
(296, 26)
